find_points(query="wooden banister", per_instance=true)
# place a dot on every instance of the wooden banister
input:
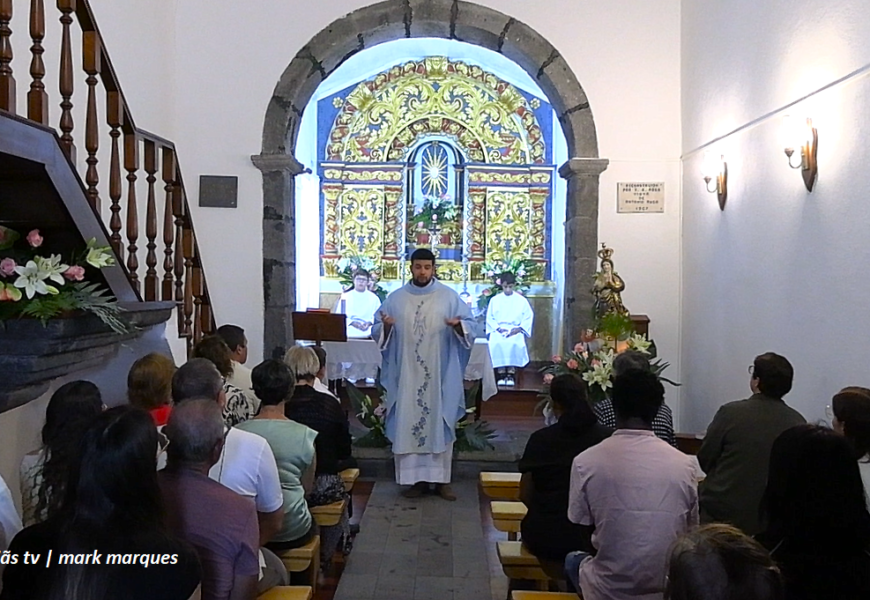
(182, 278)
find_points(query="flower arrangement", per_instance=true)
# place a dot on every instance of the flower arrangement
(596, 368)
(348, 266)
(522, 269)
(436, 212)
(44, 287)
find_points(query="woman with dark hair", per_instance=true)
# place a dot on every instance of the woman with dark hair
(324, 415)
(43, 473)
(239, 407)
(111, 512)
(851, 408)
(720, 562)
(818, 527)
(546, 469)
(293, 446)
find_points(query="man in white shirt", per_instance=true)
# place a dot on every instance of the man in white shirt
(509, 320)
(360, 306)
(320, 379)
(234, 336)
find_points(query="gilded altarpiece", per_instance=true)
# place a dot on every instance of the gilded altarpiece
(367, 188)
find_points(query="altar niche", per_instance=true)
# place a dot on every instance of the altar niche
(436, 133)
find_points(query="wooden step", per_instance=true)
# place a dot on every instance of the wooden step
(288, 592)
(519, 563)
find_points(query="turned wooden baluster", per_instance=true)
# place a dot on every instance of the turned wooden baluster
(37, 99)
(66, 79)
(187, 304)
(178, 207)
(91, 64)
(115, 118)
(7, 81)
(131, 165)
(151, 223)
(197, 300)
(168, 223)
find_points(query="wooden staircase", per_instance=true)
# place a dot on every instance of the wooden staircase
(137, 185)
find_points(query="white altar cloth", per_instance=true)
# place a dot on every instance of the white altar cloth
(361, 359)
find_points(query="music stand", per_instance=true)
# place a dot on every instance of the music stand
(319, 327)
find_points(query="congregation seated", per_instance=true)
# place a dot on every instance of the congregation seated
(320, 379)
(720, 562)
(851, 408)
(44, 473)
(633, 494)
(149, 386)
(736, 448)
(235, 339)
(111, 505)
(220, 524)
(332, 445)
(546, 469)
(293, 447)
(817, 522)
(663, 423)
(239, 407)
(246, 464)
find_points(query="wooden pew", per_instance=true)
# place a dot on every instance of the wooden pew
(288, 592)
(328, 515)
(507, 516)
(304, 560)
(519, 563)
(349, 477)
(500, 486)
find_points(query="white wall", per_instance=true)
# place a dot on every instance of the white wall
(779, 269)
(227, 60)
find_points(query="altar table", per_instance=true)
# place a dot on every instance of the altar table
(361, 359)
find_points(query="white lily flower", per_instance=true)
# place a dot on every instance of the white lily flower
(32, 280)
(52, 268)
(99, 257)
(639, 343)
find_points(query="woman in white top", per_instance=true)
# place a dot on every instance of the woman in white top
(852, 418)
(43, 473)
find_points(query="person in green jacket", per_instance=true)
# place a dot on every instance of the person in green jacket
(736, 449)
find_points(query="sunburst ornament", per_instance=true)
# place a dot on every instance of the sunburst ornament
(434, 171)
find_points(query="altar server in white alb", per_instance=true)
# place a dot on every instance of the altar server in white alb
(509, 320)
(360, 306)
(425, 332)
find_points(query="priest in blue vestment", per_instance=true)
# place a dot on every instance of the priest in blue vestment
(425, 332)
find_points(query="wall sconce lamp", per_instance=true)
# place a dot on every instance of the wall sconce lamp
(716, 169)
(802, 134)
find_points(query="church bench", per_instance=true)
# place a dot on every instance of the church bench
(507, 516)
(519, 563)
(349, 477)
(305, 559)
(526, 595)
(328, 515)
(288, 592)
(500, 486)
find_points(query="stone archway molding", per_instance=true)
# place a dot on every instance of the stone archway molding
(447, 19)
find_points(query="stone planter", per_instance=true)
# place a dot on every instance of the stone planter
(32, 354)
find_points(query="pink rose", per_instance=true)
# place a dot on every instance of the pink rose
(557, 359)
(487, 292)
(548, 378)
(7, 267)
(572, 364)
(498, 281)
(579, 348)
(381, 410)
(34, 239)
(75, 273)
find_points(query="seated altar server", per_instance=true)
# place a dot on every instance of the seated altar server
(360, 306)
(509, 320)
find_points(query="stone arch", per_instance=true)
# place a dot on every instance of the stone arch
(449, 19)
